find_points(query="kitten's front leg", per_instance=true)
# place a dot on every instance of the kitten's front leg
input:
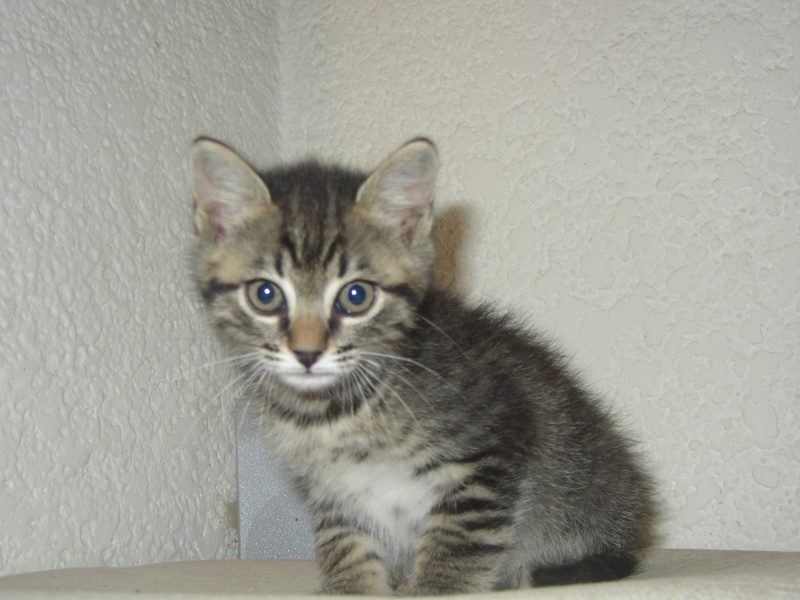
(350, 559)
(464, 549)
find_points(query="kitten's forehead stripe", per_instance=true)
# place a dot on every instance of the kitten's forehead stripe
(291, 248)
(343, 263)
(313, 200)
(336, 245)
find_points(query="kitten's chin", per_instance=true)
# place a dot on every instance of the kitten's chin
(309, 382)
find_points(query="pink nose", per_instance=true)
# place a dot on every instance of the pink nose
(307, 359)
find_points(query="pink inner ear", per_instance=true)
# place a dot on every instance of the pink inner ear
(207, 201)
(218, 230)
(409, 224)
(419, 196)
(420, 193)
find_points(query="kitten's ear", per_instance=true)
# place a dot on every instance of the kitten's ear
(226, 190)
(400, 192)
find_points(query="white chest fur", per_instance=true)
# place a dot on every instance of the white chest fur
(385, 498)
(380, 493)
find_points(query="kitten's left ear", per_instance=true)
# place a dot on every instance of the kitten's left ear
(226, 190)
(400, 191)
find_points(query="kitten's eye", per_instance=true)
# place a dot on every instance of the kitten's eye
(355, 298)
(265, 296)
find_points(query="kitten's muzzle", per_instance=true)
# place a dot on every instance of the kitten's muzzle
(308, 338)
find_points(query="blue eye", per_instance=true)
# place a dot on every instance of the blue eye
(355, 298)
(265, 296)
(266, 293)
(356, 294)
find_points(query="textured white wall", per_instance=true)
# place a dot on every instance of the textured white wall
(116, 447)
(626, 173)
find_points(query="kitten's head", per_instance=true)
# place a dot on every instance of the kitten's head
(309, 272)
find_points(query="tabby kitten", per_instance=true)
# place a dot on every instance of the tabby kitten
(440, 447)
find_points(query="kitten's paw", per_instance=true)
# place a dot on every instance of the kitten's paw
(429, 589)
(356, 586)
(337, 590)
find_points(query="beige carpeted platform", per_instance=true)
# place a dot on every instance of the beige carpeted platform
(667, 574)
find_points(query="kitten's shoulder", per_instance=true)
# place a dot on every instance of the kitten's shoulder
(484, 330)
(456, 314)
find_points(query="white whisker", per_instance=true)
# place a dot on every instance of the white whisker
(209, 404)
(240, 358)
(260, 379)
(399, 358)
(397, 395)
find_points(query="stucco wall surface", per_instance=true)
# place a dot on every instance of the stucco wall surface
(626, 174)
(116, 439)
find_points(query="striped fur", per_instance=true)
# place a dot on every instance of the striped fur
(442, 448)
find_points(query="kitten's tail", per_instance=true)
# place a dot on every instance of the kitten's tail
(592, 569)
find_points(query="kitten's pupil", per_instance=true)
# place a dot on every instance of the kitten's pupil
(357, 294)
(266, 293)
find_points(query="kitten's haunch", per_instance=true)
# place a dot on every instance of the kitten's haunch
(440, 447)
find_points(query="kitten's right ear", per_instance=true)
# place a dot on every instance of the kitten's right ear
(226, 190)
(400, 192)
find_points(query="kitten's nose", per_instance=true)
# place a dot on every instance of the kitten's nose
(308, 338)
(307, 359)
